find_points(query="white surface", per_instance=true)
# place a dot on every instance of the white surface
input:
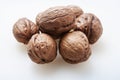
(104, 63)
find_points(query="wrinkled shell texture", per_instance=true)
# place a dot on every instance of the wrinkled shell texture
(74, 47)
(42, 48)
(23, 30)
(90, 25)
(75, 29)
(58, 20)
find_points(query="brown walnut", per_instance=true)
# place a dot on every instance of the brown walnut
(74, 47)
(58, 20)
(90, 25)
(42, 48)
(23, 30)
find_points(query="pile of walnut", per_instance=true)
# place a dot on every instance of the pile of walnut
(75, 29)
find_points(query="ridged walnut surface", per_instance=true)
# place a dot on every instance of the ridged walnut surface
(23, 30)
(74, 47)
(42, 48)
(58, 20)
(90, 25)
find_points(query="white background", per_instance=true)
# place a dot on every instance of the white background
(104, 63)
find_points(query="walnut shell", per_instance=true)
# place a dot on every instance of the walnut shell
(58, 20)
(90, 25)
(23, 30)
(42, 48)
(74, 47)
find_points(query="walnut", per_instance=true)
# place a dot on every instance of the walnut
(42, 48)
(58, 20)
(90, 25)
(23, 30)
(74, 47)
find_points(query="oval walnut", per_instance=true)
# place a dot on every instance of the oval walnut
(58, 20)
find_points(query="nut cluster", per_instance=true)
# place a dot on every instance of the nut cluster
(75, 29)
